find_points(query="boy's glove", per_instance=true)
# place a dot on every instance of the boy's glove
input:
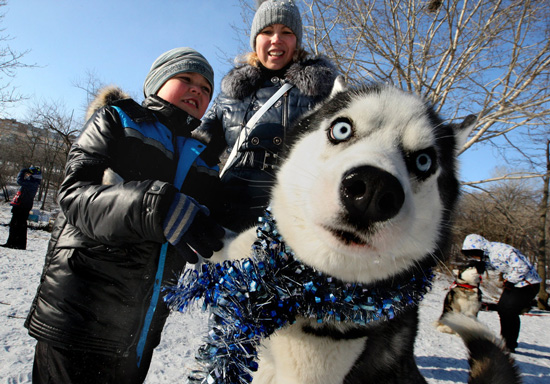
(189, 229)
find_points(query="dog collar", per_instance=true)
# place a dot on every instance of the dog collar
(252, 298)
(465, 286)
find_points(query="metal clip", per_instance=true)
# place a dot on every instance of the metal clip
(265, 165)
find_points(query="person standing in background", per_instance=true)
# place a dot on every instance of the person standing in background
(29, 179)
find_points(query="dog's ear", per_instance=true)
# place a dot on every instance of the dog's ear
(339, 86)
(480, 266)
(462, 130)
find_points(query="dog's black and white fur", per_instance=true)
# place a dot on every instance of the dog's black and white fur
(365, 194)
(464, 295)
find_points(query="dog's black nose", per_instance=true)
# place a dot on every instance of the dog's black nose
(370, 195)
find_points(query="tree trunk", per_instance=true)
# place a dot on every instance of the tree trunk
(46, 185)
(541, 265)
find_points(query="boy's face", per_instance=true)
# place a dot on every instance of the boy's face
(188, 91)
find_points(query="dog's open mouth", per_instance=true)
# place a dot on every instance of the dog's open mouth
(347, 237)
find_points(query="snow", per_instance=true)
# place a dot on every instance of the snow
(441, 358)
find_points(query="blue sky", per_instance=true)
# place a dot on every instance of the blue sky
(117, 41)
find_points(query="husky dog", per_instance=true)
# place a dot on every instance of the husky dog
(464, 295)
(365, 193)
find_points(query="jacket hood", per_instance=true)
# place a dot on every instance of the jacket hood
(504, 258)
(475, 242)
(105, 96)
(313, 77)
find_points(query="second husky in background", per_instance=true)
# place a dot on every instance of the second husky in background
(464, 295)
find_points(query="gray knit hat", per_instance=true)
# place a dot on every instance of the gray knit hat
(276, 12)
(173, 62)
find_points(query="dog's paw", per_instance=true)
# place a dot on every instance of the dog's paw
(235, 246)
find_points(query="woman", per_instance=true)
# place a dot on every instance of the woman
(277, 59)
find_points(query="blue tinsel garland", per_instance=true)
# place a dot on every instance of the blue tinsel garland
(252, 298)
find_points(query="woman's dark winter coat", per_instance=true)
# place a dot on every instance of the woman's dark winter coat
(243, 91)
(102, 258)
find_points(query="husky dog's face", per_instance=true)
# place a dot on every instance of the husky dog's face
(365, 192)
(470, 275)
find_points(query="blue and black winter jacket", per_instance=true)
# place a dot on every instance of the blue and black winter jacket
(98, 278)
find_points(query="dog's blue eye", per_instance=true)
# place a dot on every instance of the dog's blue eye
(423, 162)
(341, 130)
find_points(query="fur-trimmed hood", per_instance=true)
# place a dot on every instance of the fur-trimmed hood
(105, 96)
(111, 94)
(313, 77)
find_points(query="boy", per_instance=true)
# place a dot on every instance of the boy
(98, 313)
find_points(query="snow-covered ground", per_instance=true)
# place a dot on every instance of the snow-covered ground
(441, 357)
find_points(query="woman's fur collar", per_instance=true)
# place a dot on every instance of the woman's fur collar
(313, 77)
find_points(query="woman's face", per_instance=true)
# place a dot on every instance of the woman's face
(275, 46)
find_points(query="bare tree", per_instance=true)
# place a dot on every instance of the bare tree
(52, 116)
(91, 84)
(53, 134)
(10, 61)
(543, 233)
(4, 174)
(504, 211)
